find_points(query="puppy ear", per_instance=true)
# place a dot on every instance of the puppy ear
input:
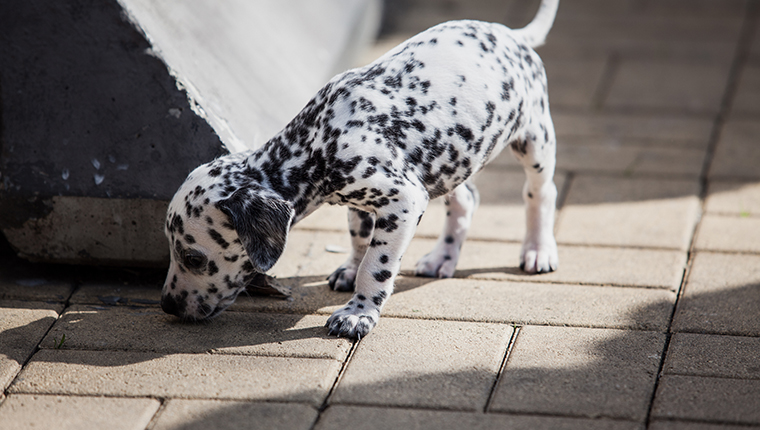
(262, 224)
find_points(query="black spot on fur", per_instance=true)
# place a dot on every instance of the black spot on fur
(387, 223)
(462, 131)
(213, 269)
(216, 237)
(369, 172)
(379, 298)
(382, 275)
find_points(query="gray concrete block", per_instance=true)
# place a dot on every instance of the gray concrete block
(635, 212)
(691, 425)
(652, 30)
(368, 418)
(490, 301)
(429, 364)
(33, 288)
(23, 328)
(313, 253)
(711, 355)
(151, 329)
(721, 295)
(10, 364)
(708, 399)
(231, 415)
(580, 372)
(748, 92)
(574, 82)
(199, 376)
(737, 152)
(667, 85)
(729, 234)
(579, 264)
(117, 294)
(733, 198)
(22, 412)
(531, 303)
(51, 305)
(685, 131)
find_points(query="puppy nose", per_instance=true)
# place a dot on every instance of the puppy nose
(171, 306)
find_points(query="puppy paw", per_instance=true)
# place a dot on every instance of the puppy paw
(353, 320)
(436, 265)
(343, 279)
(539, 257)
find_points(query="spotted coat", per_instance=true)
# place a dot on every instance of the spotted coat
(383, 140)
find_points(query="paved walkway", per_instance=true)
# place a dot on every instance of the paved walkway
(652, 321)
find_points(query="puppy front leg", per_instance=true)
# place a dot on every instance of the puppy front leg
(377, 272)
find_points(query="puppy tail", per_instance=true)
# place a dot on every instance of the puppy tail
(535, 33)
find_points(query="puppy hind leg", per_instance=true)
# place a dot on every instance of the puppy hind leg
(441, 262)
(538, 157)
(360, 225)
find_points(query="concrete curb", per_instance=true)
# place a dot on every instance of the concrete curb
(99, 125)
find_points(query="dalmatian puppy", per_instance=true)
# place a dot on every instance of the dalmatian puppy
(383, 140)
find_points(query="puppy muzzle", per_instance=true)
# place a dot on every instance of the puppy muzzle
(178, 305)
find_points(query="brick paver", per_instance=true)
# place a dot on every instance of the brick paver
(734, 198)
(737, 153)
(373, 418)
(710, 399)
(34, 288)
(580, 264)
(619, 212)
(747, 101)
(683, 131)
(651, 321)
(143, 374)
(26, 412)
(712, 355)
(580, 372)
(722, 295)
(423, 363)
(150, 329)
(22, 329)
(729, 233)
(691, 425)
(223, 415)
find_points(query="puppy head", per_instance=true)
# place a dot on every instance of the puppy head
(220, 236)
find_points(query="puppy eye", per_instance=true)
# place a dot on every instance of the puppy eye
(194, 260)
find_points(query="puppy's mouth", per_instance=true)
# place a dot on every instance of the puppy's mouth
(179, 307)
(193, 309)
(216, 311)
